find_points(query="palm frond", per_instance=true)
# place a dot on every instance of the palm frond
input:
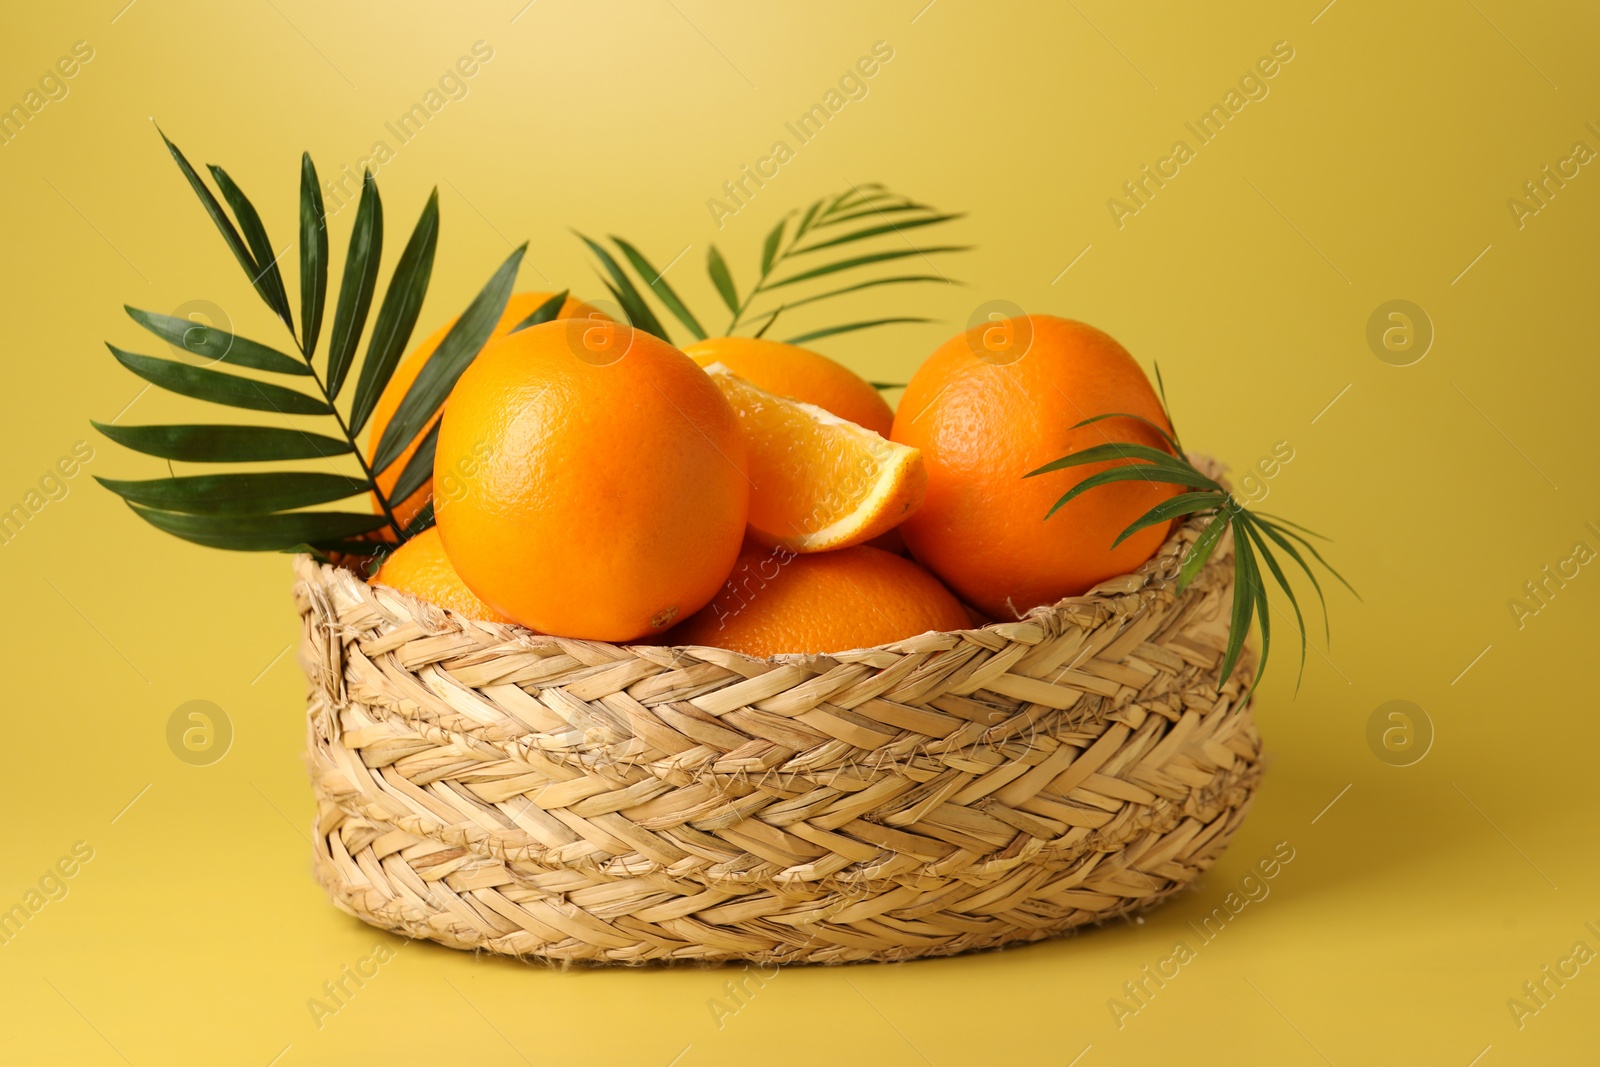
(889, 217)
(1209, 503)
(267, 510)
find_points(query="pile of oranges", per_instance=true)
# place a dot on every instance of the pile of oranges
(592, 481)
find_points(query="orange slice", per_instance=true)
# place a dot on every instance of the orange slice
(818, 481)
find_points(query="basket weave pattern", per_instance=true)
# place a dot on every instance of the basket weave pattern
(488, 788)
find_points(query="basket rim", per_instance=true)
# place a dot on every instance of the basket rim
(1155, 575)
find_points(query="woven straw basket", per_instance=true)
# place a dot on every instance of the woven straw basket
(488, 788)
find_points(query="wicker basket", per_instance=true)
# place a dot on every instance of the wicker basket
(488, 788)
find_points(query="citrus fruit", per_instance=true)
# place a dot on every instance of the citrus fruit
(778, 601)
(421, 568)
(590, 481)
(519, 307)
(818, 482)
(799, 374)
(997, 402)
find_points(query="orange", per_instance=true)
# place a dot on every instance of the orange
(799, 374)
(421, 568)
(591, 481)
(999, 401)
(777, 601)
(818, 482)
(519, 307)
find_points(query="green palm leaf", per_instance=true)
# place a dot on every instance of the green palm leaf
(871, 284)
(544, 312)
(357, 286)
(1243, 523)
(659, 286)
(421, 520)
(220, 219)
(1134, 472)
(1294, 525)
(1166, 434)
(419, 468)
(861, 261)
(849, 327)
(255, 235)
(237, 494)
(891, 209)
(223, 444)
(1166, 409)
(1167, 510)
(639, 314)
(1249, 599)
(1278, 525)
(313, 256)
(717, 267)
(808, 220)
(876, 231)
(856, 196)
(769, 247)
(220, 388)
(208, 342)
(1201, 550)
(444, 367)
(259, 510)
(261, 533)
(780, 244)
(772, 318)
(402, 302)
(1115, 450)
(1294, 553)
(1251, 533)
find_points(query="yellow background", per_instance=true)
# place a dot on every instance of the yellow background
(1379, 167)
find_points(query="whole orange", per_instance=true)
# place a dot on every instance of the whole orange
(421, 568)
(591, 481)
(519, 307)
(800, 374)
(776, 601)
(999, 401)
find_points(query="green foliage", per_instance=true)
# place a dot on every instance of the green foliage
(1209, 501)
(263, 510)
(784, 263)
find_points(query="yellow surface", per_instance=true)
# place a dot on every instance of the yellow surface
(1378, 167)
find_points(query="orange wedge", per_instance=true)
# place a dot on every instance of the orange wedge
(818, 481)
